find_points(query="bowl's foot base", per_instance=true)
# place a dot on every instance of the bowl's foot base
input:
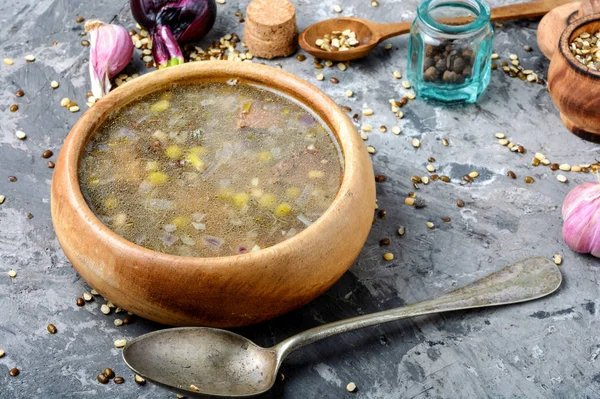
(584, 133)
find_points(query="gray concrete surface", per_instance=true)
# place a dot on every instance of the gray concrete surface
(544, 349)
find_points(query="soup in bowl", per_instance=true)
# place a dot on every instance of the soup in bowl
(214, 193)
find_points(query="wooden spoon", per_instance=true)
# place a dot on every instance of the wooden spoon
(370, 33)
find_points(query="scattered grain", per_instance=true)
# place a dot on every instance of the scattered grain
(529, 179)
(65, 102)
(367, 112)
(14, 372)
(561, 178)
(21, 135)
(349, 93)
(334, 80)
(445, 142)
(120, 343)
(401, 230)
(54, 84)
(30, 58)
(511, 174)
(379, 178)
(396, 130)
(473, 175)
(2, 199)
(351, 387)
(8, 61)
(139, 379)
(565, 167)
(430, 225)
(388, 46)
(557, 259)
(406, 84)
(320, 76)
(388, 256)
(337, 8)
(409, 201)
(416, 143)
(79, 302)
(20, 93)
(74, 108)
(1, 353)
(47, 154)
(397, 74)
(105, 309)
(79, 20)
(460, 203)
(14, 108)
(51, 328)
(371, 149)
(12, 274)
(50, 165)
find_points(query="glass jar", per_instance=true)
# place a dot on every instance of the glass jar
(450, 50)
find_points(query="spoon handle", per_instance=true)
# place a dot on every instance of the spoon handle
(521, 281)
(533, 9)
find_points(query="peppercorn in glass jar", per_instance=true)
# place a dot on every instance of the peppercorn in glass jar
(450, 50)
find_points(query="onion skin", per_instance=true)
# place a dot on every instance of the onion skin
(171, 22)
(581, 216)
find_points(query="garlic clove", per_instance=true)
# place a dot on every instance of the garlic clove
(581, 215)
(111, 50)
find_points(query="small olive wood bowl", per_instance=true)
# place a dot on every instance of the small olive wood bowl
(223, 291)
(575, 88)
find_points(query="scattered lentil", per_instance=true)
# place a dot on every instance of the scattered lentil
(105, 309)
(20, 135)
(511, 174)
(367, 112)
(416, 143)
(397, 74)
(381, 213)
(554, 166)
(388, 256)
(334, 80)
(1, 353)
(79, 20)
(384, 241)
(557, 259)
(430, 225)
(351, 387)
(366, 128)
(561, 178)
(50, 164)
(382, 129)
(379, 178)
(2, 199)
(120, 343)
(14, 108)
(65, 102)
(51, 328)
(460, 203)
(527, 48)
(29, 58)
(8, 61)
(473, 175)
(320, 76)
(47, 154)
(14, 372)
(12, 179)
(529, 179)
(425, 180)
(575, 168)
(349, 93)
(54, 84)
(401, 231)
(301, 57)
(20, 93)
(406, 84)
(396, 130)
(409, 201)
(445, 142)
(446, 219)
(337, 8)
(12, 274)
(119, 380)
(388, 46)
(79, 302)
(118, 322)
(102, 379)
(445, 179)
(74, 108)
(371, 149)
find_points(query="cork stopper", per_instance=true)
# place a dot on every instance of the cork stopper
(270, 30)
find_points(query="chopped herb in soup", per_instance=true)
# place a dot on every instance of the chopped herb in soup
(210, 170)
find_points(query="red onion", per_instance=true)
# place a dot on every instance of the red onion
(171, 22)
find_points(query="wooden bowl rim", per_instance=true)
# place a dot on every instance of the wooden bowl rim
(565, 41)
(273, 78)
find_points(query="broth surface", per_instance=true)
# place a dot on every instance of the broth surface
(210, 170)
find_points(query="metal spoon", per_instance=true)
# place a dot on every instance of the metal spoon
(371, 33)
(210, 361)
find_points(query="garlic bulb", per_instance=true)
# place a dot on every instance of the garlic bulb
(581, 216)
(111, 50)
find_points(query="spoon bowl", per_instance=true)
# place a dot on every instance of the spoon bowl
(367, 33)
(208, 361)
(218, 362)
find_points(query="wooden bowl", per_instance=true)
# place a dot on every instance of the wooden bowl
(575, 88)
(225, 291)
(554, 23)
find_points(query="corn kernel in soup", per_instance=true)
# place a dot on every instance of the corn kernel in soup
(211, 170)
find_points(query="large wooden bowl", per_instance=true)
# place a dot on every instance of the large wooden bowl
(575, 88)
(224, 291)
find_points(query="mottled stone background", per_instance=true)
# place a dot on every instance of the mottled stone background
(543, 349)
